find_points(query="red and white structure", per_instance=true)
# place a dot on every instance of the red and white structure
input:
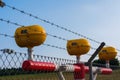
(79, 69)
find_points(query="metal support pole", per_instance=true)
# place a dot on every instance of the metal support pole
(60, 72)
(81, 74)
(92, 57)
(91, 73)
(77, 59)
(96, 70)
(107, 64)
(60, 75)
(30, 55)
(94, 76)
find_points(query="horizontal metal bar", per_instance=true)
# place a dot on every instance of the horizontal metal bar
(29, 65)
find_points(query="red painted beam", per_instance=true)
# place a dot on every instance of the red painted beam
(47, 66)
(106, 71)
(38, 66)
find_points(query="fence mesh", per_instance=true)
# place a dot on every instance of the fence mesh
(11, 68)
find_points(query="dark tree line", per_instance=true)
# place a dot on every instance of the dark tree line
(15, 71)
(114, 64)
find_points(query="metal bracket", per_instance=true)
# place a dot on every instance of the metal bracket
(30, 55)
(2, 4)
(91, 59)
(60, 72)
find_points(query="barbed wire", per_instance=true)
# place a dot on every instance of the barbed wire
(54, 46)
(49, 45)
(6, 50)
(45, 44)
(14, 23)
(53, 24)
(8, 21)
(58, 37)
(6, 35)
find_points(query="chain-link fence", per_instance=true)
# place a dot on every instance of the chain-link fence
(11, 68)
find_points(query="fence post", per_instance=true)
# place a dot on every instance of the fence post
(60, 72)
(94, 76)
(79, 74)
(30, 55)
(60, 75)
(77, 59)
(91, 59)
(107, 64)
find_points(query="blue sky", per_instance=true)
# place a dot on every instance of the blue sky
(96, 19)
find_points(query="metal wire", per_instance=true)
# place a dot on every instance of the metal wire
(54, 46)
(6, 35)
(49, 45)
(49, 22)
(8, 21)
(14, 23)
(58, 37)
(53, 24)
(15, 59)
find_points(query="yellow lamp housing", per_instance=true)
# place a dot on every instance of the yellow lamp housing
(107, 53)
(30, 36)
(78, 46)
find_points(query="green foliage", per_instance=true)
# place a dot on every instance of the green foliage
(114, 64)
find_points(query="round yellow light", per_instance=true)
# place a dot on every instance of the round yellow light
(30, 36)
(107, 53)
(78, 46)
